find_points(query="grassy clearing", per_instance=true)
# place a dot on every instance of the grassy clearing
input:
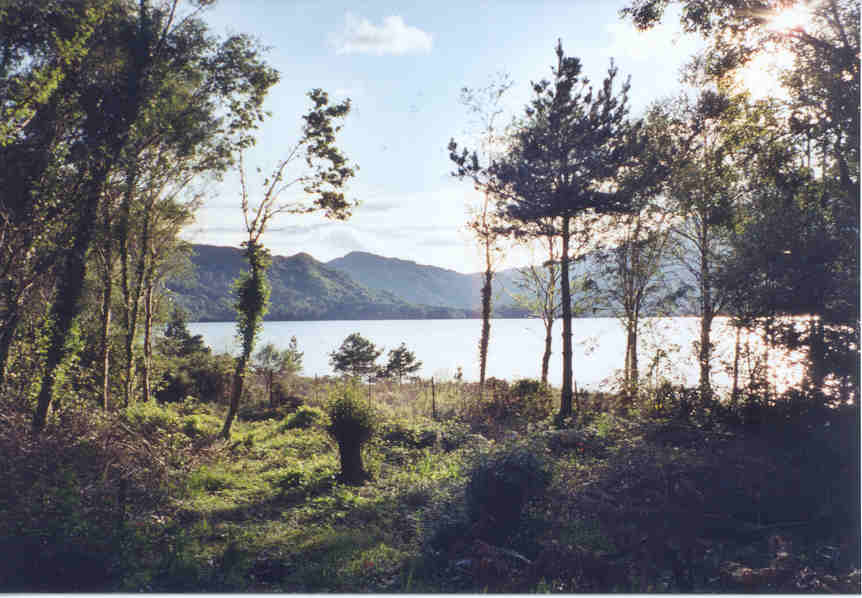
(637, 501)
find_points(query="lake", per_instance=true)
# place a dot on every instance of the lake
(515, 349)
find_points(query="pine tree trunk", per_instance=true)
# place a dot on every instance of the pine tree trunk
(566, 394)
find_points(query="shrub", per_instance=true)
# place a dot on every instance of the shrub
(500, 486)
(207, 377)
(407, 435)
(150, 418)
(351, 424)
(525, 400)
(200, 426)
(304, 418)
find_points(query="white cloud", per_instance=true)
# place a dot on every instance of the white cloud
(394, 36)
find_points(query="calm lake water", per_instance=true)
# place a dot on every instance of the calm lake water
(516, 347)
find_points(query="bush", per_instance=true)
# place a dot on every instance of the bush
(207, 377)
(304, 418)
(150, 418)
(200, 426)
(526, 400)
(500, 486)
(411, 436)
(351, 424)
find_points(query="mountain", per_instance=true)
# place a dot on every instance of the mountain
(358, 286)
(427, 285)
(302, 289)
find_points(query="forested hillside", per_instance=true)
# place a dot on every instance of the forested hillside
(423, 284)
(302, 289)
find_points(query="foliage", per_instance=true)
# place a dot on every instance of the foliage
(561, 164)
(305, 417)
(271, 363)
(178, 341)
(200, 375)
(355, 357)
(401, 362)
(328, 173)
(485, 105)
(352, 422)
(796, 245)
(500, 486)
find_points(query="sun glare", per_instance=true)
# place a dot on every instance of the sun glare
(760, 77)
(792, 17)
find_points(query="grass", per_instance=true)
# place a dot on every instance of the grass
(639, 502)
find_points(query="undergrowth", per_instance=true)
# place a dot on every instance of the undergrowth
(487, 496)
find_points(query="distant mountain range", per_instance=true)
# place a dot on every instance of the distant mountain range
(424, 285)
(359, 286)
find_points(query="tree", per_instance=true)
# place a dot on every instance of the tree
(324, 181)
(633, 280)
(271, 363)
(807, 173)
(355, 357)
(41, 47)
(110, 104)
(77, 138)
(484, 105)
(540, 295)
(704, 188)
(402, 361)
(562, 163)
(179, 341)
(632, 273)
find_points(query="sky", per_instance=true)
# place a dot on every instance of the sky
(403, 65)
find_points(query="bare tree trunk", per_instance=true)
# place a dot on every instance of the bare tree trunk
(734, 393)
(7, 335)
(130, 297)
(107, 292)
(148, 348)
(566, 393)
(549, 310)
(706, 317)
(270, 382)
(631, 367)
(546, 356)
(634, 374)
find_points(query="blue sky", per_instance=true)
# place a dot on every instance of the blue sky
(403, 66)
